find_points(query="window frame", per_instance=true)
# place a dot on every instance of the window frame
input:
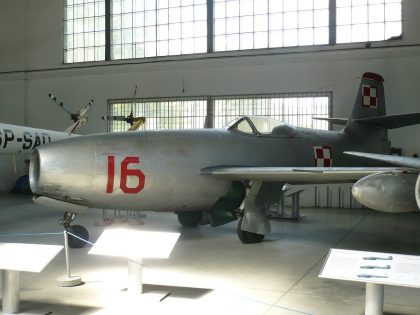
(331, 45)
(213, 116)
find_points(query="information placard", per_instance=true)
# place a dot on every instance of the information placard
(382, 268)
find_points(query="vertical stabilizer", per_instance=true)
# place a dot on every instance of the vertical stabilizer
(370, 100)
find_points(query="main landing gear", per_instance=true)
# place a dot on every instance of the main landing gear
(248, 237)
(253, 225)
(78, 230)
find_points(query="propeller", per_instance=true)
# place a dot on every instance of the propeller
(135, 122)
(74, 116)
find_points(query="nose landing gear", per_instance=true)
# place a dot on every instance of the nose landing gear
(80, 231)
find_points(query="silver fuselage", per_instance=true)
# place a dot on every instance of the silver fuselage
(80, 170)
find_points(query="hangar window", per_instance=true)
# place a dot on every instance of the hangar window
(96, 30)
(297, 109)
(157, 28)
(84, 30)
(368, 20)
(160, 113)
(251, 24)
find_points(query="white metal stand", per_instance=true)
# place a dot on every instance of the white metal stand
(135, 277)
(16, 257)
(135, 246)
(10, 291)
(374, 299)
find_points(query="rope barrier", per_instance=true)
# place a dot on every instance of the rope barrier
(87, 242)
(31, 234)
(45, 234)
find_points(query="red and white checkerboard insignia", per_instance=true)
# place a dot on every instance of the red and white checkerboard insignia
(323, 156)
(369, 96)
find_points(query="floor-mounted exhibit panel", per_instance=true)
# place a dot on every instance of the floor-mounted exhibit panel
(211, 271)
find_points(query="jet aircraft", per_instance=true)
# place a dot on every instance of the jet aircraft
(20, 139)
(222, 174)
(16, 139)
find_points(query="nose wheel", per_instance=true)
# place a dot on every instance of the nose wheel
(81, 234)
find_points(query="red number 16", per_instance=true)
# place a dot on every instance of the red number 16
(125, 172)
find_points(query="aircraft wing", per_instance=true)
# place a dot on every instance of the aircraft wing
(393, 159)
(297, 175)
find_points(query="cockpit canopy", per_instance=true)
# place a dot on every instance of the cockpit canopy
(261, 126)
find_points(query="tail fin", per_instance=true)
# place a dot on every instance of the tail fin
(370, 100)
(369, 109)
(369, 112)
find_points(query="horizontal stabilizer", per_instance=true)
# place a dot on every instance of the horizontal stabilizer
(392, 159)
(391, 121)
(335, 121)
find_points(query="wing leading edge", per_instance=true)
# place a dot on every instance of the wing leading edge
(297, 175)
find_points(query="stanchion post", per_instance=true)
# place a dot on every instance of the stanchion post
(374, 299)
(68, 280)
(66, 250)
(11, 290)
(135, 277)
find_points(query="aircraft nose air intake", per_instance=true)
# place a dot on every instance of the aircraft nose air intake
(34, 171)
(89, 169)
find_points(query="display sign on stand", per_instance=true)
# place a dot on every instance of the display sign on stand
(375, 269)
(16, 257)
(135, 246)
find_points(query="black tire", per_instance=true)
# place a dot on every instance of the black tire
(248, 237)
(190, 218)
(79, 231)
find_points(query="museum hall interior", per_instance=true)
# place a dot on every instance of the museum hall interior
(210, 157)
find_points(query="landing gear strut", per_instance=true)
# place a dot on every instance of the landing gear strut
(77, 230)
(253, 224)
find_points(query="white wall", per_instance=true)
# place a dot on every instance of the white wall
(31, 66)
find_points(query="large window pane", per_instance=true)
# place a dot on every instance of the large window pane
(170, 27)
(269, 23)
(160, 113)
(296, 109)
(84, 36)
(368, 20)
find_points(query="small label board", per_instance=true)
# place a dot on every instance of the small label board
(374, 267)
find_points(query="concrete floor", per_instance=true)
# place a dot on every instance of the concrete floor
(210, 271)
